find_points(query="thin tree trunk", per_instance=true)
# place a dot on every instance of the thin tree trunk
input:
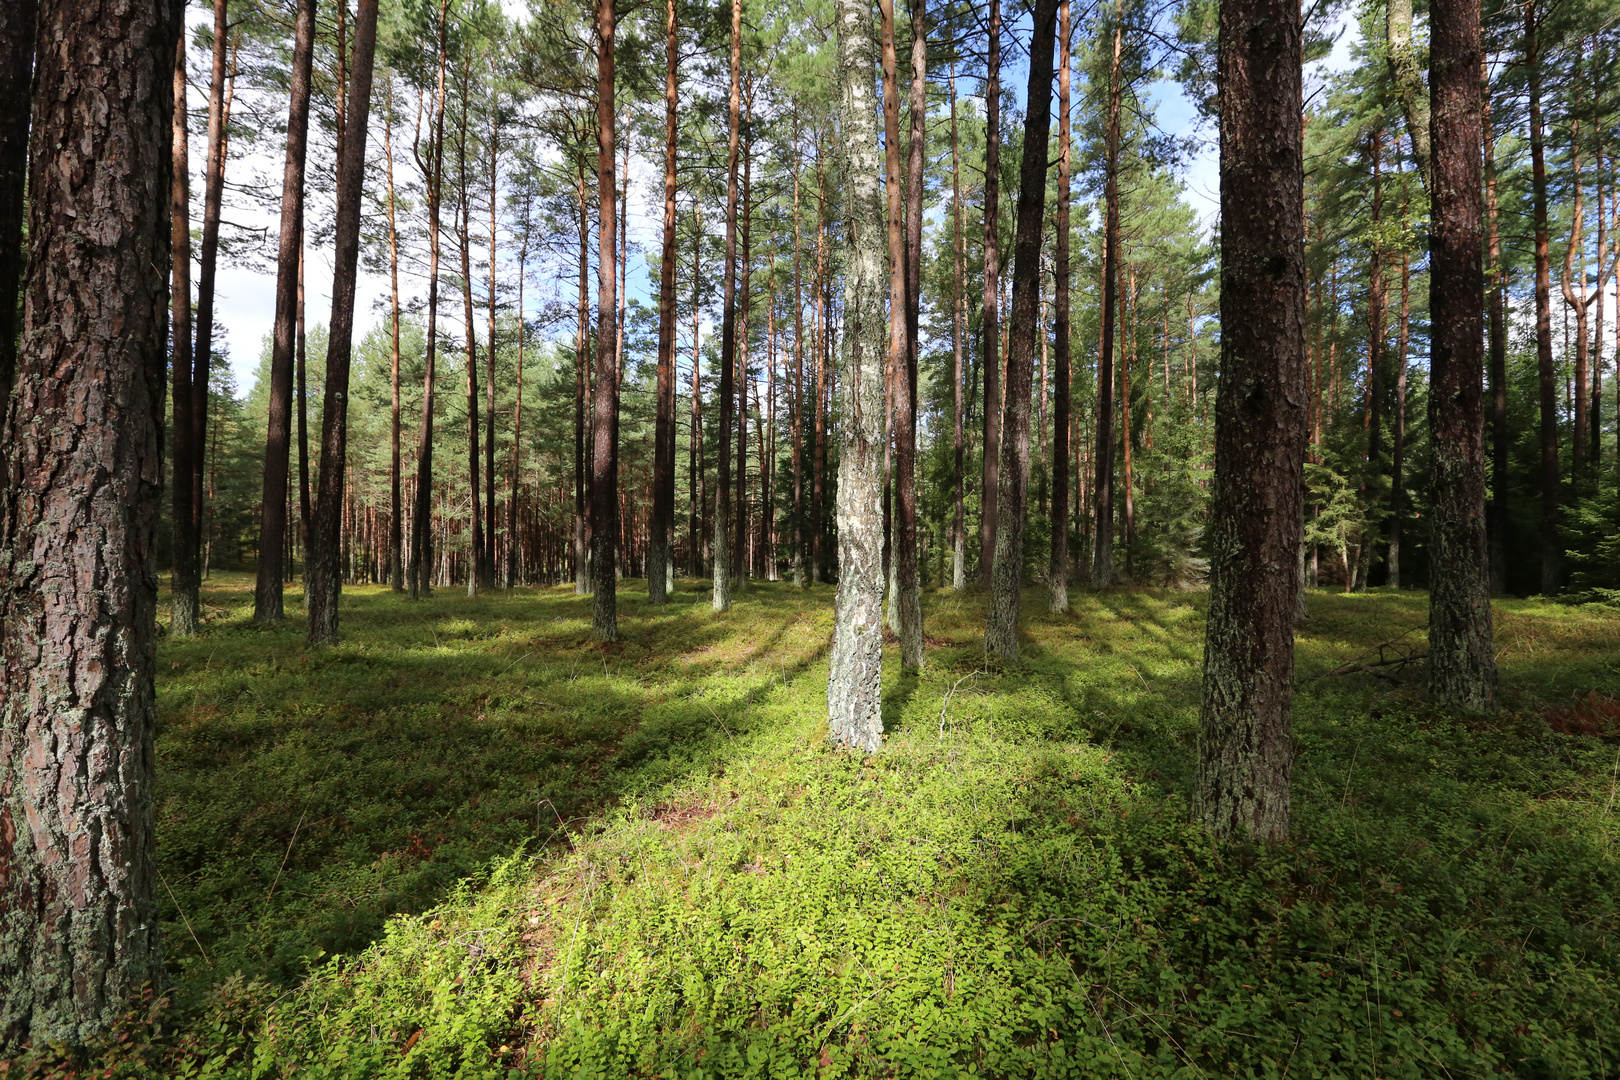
(1245, 750)
(1497, 508)
(324, 566)
(1551, 544)
(1578, 302)
(582, 580)
(18, 22)
(515, 566)
(818, 473)
(489, 348)
(660, 553)
(301, 364)
(1102, 502)
(477, 577)
(739, 525)
(854, 686)
(267, 598)
(1001, 629)
(720, 554)
(991, 319)
(420, 577)
(797, 396)
(184, 602)
(1058, 572)
(83, 460)
(1397, 466)
(605, 403)
(396, 504)
(1462, 665)
(697, 496)
(958, 375)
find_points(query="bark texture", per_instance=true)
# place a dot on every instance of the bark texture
(83, 466)
(991, 357)
(720, 554)
(1006, 586)
(17, 23)
(325, 559)
(1462, 665)
(183, 580)
(1245, 746)
(605, 402)
(854, 687)
(267, 597)
(660, 553)
(1102, 500)
(1406, 76)
(1058, 572)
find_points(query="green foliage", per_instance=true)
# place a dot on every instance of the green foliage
(1013, 887)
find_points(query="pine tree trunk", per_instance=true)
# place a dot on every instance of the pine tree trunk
(991, 319)
(325, 560)
(83, 460)
(18, 21)
(183, 582)
(477, 577)
(1462, 665)
(958, 374)
(267, 598)
(582, 561)
(797, 395)
(721, 545)
(1001, 629)
(1245, 750)
(396, 506)
(489, 348)
(660, 554)
(1058, 574)
(420, 577)
(1102, 501)
(1407, 79)
(1552, 554)
(854, 686)
(696, 486)
(1497, 508)
(605, 401)
(908, 573)
(1577, 301)
(739, 523)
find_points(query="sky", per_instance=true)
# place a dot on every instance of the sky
(245, 294)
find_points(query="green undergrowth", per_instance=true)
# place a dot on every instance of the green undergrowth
(544, 857)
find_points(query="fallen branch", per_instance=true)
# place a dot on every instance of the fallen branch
(1395, 653)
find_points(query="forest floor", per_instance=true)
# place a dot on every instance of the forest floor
(542, 855)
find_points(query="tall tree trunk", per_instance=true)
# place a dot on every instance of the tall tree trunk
(1001, 629)
(396, 506)
(18, 21)
(1245, 749)
(489, 348)
(1462, 665)
(325, 560)
(958, 376)
(1577, 301)
(909, 577)
(991, 319)
(660, 553)
(267, 597)
(1372, 415)
(797, 392)
(739, 525)
(854, 686)
(513, 563)
(1102, 501)
(477, 571)
(183, 583)
(83, 460)
(420, 577)
(906, 595)
(696, 485)
(605, 403)
(818, 472)
(1497, 508)
(1058, 574)
(582, 561)
(721, 553)
(301, 365)
(1551, 544)
(1397, 466)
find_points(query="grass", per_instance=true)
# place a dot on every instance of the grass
(468, 842)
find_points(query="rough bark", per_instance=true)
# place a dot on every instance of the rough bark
(325, 561)
(720, 555)
(18, 20)
(1102, 501)
(660, 554)
(605, 401)
(1058, 572)
(1462, 666)
(1245, 746)
(267, 597)
(1552, 553)
(184, 580)
(901, 359)
(991, 357)
(83, 462)
(396, 508)
(854, 686)
(1006, 587)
